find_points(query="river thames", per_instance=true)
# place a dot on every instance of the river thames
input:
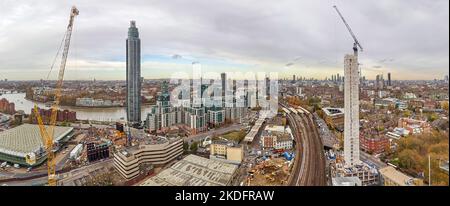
(97, 114)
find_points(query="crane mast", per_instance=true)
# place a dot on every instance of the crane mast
(47, 134)
(356, 42)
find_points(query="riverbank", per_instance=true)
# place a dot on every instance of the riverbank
(84, 107)
(74, 106)
(83, 113)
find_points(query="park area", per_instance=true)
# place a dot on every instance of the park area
(236, 136)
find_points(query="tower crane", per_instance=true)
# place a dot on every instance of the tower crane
(356, 43)
(47, 133)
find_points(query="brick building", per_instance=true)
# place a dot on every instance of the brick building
(61, 116)
(374, 144)
(7, 107)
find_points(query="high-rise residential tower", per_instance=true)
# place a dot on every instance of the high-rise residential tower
(223, 78)
(133, 75)
(351, 106)
(389, 80)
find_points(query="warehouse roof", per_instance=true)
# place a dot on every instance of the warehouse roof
(396, 176)
(194, 171)
(26, 138)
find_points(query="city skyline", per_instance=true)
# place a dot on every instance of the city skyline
(219, 93)
(228, 37)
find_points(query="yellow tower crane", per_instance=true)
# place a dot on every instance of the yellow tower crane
(47, 134)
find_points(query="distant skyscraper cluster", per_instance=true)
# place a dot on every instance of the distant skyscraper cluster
(337, 78)
(379, 81)
(133, 75)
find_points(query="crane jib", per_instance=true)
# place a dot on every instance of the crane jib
(47, 133)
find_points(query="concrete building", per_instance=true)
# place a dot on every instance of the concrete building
(351, 114)
(133, 75)
(391, 177)
(195, 171)
(368, 175)
(346, 181)
(334, 117)
(226, 151)
(153, 150)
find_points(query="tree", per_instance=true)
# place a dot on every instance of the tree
(320, 113)
(283, 121)
(406, 113)
(413, 151)
(409, 159)
(194, 147)
(444, 105)
(433, 116)
(185, 146)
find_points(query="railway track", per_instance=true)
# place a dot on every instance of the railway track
(309, 168)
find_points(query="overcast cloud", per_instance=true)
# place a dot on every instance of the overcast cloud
(409, 38)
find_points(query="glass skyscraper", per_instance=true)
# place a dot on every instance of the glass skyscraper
(133, 75)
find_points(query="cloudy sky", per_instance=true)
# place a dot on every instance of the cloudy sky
(409, 38)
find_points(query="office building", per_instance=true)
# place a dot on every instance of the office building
(155, 150)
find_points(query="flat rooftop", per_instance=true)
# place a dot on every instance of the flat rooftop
(346, 181)
(194, 171)
(149, 140)
(26, 138)
(330, 111)
(396, 176)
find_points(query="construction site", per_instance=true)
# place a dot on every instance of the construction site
(270, 172)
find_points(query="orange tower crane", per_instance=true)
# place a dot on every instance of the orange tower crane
(47, 133)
